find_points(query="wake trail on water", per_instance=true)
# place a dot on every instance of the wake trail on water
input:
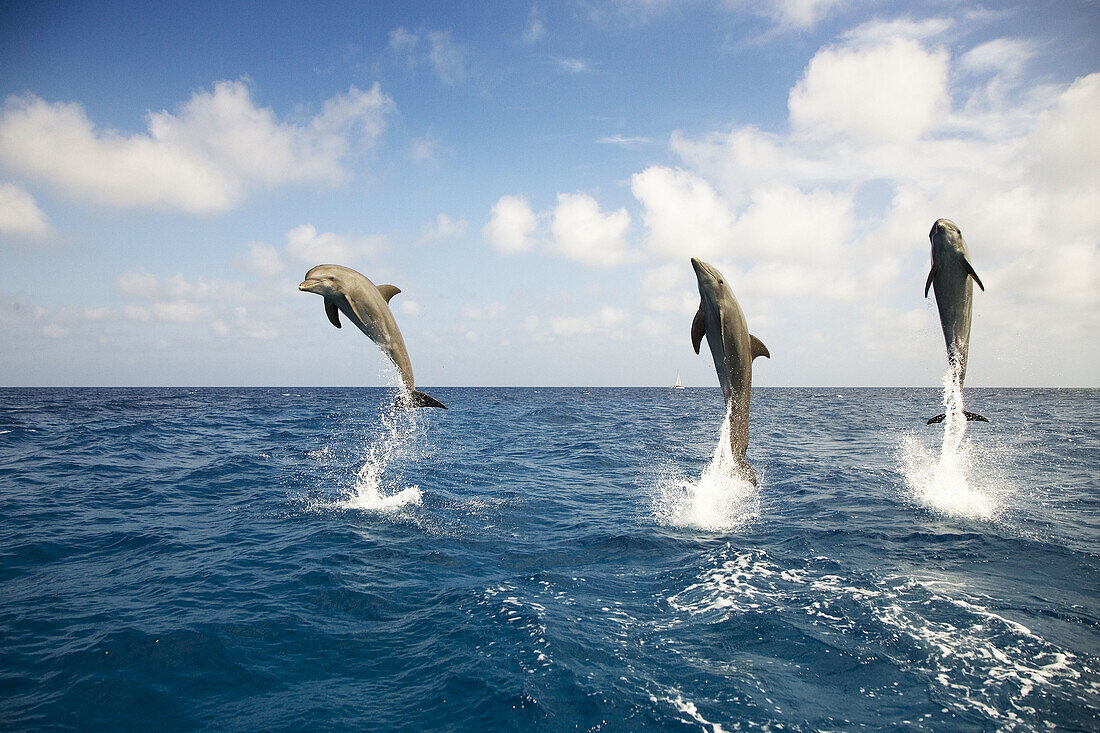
(950, 483)
(721, 499)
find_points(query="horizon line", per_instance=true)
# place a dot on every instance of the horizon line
(525, 386)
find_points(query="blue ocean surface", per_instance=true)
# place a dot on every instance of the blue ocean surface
(547, 559)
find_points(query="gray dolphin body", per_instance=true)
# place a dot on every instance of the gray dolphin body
(367, 306)
(950, 277)
(721, 320)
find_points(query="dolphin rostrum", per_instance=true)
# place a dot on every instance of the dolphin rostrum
(367, 306)
(721, 320)
(950, 277)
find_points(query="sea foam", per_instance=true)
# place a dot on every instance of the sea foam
(721, 499)
(949, 483)
(379, 481)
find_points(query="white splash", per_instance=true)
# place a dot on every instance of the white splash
(720, 500)
(378, 482)
(947, 483)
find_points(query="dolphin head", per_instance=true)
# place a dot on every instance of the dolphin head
(710, 280)
(946, 230)
(323, 280)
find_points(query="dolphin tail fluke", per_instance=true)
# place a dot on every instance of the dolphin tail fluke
(419, 399)
(970, 417)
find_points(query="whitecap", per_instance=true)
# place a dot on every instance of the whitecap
(989, 662)
(689, 709)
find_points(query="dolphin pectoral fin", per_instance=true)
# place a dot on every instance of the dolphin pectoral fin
(758, 347)
(332, 312)
(971, 273)
(388, 291)
(928, 282)
(359, 316)
(970, 417)
(698, 329)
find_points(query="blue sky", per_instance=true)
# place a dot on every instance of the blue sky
(535, 177)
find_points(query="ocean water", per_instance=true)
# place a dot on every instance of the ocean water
(547, 559)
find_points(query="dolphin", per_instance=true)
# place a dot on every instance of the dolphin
(950, 276)
(721, 320)
(367, 306)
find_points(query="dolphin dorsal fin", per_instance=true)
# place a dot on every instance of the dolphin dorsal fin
(388, 291)
(971, 273)
(698, 329)
(758, 347)
(332, 312)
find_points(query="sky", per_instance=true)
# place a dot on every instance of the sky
(535, 177)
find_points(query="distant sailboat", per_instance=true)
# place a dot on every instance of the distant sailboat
(679, 384)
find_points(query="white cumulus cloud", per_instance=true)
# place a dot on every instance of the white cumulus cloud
(682, 213)
(894, 91)
(19, 214)
(1065, 139)
(305, 244)
(511, 225)
(581, 232)
(208, 156)
(575, 229)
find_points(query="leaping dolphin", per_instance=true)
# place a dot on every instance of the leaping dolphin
(367, 306)
(720, 318)
(950, 276)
